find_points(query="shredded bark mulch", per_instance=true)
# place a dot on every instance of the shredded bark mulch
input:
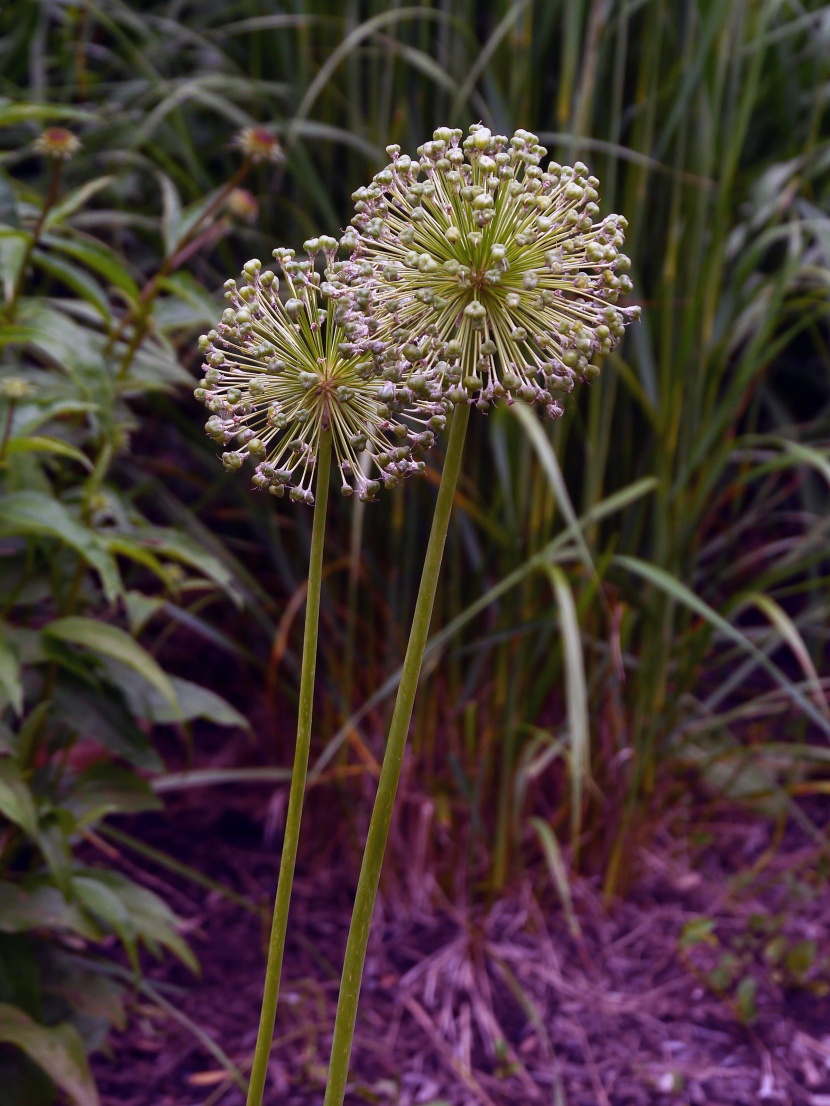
(701, 988)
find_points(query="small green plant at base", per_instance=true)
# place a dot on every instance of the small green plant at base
(757, 955)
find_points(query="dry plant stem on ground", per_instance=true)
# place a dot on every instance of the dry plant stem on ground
(391, 771)
(276, 945)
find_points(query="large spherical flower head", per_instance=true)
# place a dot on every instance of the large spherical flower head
(495, 268)
(279, 373)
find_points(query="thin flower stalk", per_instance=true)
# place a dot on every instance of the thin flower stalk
(291, 384)
(58, 146)
(493, 282)
(378, 834)
(293, 818)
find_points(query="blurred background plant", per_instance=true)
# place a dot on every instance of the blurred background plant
(654, 566)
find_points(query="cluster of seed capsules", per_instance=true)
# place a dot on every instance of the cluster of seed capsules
(472, 275)
(281, 371)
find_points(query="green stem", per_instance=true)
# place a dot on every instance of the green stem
(276, 945)
(48, 204)
(367, 886)
(139, 312)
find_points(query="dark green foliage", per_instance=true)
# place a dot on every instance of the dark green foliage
(83, 571)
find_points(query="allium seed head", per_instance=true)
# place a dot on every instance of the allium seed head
(57, 143)
(489, 271)
(281, 372)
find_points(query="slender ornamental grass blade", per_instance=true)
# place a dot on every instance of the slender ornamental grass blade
(558, 872)
(579, 730)
(684, 595)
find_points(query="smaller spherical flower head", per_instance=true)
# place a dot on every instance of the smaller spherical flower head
(281, 371)
(491, 272)
(57, 143)
(258, 144)
(242, 205)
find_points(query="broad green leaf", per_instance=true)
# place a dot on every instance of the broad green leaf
(156, 365)
(110, 641)
(16, 335)
(53, 841)
(75, 201)
(10, 683)
(109, 789)
(75, 278)
(155, 922)
(189, 305)
(196, 701)
(19, 982)
(33, 514)
(33, 416)
(37, 443)
(98, 257)
(76, 348)
(8, 740)
(193, 701)
(181, 547)
(100, 714)
(151, 919)
(58, 1050)
(141, 607)
(108, 907)
(16, 801)
(126, 547)
(38, 904)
